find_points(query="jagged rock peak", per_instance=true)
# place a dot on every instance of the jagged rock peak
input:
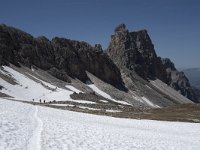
(168, 63)
(178, 80)
(121, 28)
(134, 51)
(98, 48)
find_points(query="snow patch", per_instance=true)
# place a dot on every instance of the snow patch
(68, 105)
(149, 102)
(102, 93)
(83, 101)
(148, 86)
(104, 101)
(145, 100)
(84, 107)
(110, 110)
(73, 89)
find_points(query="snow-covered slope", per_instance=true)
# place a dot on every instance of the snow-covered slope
(26, 84)
(28, 89)
(35, 127)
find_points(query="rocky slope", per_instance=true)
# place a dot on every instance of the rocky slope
(121, 74)
(134, 52)
(60, 57)
(179, 81)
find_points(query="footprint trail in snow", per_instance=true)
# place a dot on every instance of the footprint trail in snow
(35, 141)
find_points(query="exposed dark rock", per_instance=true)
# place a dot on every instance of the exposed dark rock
(135, 51)
(178, 80)
(60, 74)
(193, 74)
(197, 93)
(61, 57)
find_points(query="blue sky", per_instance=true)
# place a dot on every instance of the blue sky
(173, 25)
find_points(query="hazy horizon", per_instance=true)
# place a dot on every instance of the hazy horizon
(172, 25)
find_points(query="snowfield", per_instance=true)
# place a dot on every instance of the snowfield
(26, 127)
(28, 89)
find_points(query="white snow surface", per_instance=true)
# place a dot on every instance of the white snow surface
(145, 100)
(102, 93)
(68, 105)
(150, 103)
(28, 89)
(24, 127)
(73, 88)
(84, 107)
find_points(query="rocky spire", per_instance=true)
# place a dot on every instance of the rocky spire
(135, 51)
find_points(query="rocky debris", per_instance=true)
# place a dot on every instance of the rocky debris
(92, 96)
(61, 57)
(60, 74)
(178, 80)
(4, 95)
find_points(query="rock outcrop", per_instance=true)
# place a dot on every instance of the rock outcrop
(128, 52)
(178, 80)
(134, 52)
(61, 57)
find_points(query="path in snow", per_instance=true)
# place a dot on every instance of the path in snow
(66, 130)
(35, 141)
(16, 125)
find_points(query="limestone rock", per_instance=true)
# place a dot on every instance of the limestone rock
(61, 57)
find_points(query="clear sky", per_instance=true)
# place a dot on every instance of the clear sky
(173, 25)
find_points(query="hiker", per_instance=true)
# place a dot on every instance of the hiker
(44, 101)
(40, 100)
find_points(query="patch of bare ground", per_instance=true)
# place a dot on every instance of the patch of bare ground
(182, 113)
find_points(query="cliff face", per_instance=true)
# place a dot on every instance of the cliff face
(129, 52)
(134, 51)
(61, 57)
(178, 80)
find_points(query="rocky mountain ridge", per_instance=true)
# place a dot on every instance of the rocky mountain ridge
(134, 51)
(60, 57)
(130, 55)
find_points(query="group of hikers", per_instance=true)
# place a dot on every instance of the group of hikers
(40, 101)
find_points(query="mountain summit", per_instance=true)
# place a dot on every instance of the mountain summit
(134, 51)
